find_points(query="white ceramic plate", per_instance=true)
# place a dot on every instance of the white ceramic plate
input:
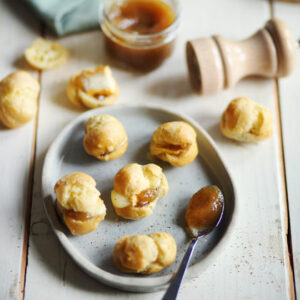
(93, 252)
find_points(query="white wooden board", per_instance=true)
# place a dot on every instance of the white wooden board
(254, 265)
(17, 29)
(290, 108)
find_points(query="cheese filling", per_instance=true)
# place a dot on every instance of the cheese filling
(98, 83)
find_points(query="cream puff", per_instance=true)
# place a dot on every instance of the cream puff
(137, 189)
(175, 142)
(146, 254)
(44, 54)
(78, 203)
(19, 93)
(246, 121)
(93, 88)
(105, 137)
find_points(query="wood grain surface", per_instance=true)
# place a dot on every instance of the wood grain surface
(17, 156)
(290, 107)
(255, 263)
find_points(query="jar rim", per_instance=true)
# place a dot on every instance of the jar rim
(137, 37)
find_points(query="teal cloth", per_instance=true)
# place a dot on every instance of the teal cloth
(67, 16)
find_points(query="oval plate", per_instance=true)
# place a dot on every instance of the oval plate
(93, 252)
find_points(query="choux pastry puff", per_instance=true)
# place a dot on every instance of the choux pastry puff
(137, 189)
(93, 88)
(246, 121)
(175, 142)
(105, 138)
(19, 93)
(78, 203)
(144, 254)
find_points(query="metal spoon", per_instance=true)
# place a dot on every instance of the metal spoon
(172, 291)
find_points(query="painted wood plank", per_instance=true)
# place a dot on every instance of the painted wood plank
(290, 107)
(17, 29)
(255, 262)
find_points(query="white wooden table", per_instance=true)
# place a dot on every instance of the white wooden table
(262, 257)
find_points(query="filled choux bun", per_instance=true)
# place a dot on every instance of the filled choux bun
(246, 121)
(78, 203)
(175, 142)
(144, 254)
(137, 189)
(93, 88)
(105, 137)
(44, 54)
(18, 99)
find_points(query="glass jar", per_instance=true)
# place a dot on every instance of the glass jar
(134, 30)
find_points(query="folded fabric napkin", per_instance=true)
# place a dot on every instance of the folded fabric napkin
(66, 16)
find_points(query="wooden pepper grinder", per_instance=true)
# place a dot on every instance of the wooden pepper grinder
(216, 63)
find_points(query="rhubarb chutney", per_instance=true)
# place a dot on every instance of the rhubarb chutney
(140, 33)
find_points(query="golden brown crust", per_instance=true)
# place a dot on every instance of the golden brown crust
(137, 189)
(247, 121)
(167, 251)
(86, 90)
(135, 213)
(44, 54)
(18, 99)
(79, 226)
(175, 142)
(105, 137)
(78, 202)
(145, 254)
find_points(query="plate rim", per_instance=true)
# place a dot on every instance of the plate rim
(129, 283)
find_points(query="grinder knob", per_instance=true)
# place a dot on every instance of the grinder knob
(217, 63)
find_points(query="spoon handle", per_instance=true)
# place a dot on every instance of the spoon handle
(172, 291)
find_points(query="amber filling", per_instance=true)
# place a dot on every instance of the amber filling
(205, 208)
(146, 196)
(173, 149)
(77, 215)
(142, 16)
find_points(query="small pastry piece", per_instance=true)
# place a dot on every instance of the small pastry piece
(175, 142)
(44, 54)
(137, 189)
(246, 121)
(18, 99)
(78, 202)
(93, 88)
(204, 209)
(146, 254)
(105, 137)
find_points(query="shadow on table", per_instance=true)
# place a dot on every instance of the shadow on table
(175, 87)
(46, 255)
(23, 13)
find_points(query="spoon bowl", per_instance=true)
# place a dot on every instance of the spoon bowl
(173, 289)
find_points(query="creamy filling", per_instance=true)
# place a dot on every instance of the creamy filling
(99, 83)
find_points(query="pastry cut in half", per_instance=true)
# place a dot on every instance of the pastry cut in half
(175, 142)
(146, 254)
(78, 203)
(44, 54)
(19, 93)
(246, 121)
(105, 137)
(92, 88)
(137, 189)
